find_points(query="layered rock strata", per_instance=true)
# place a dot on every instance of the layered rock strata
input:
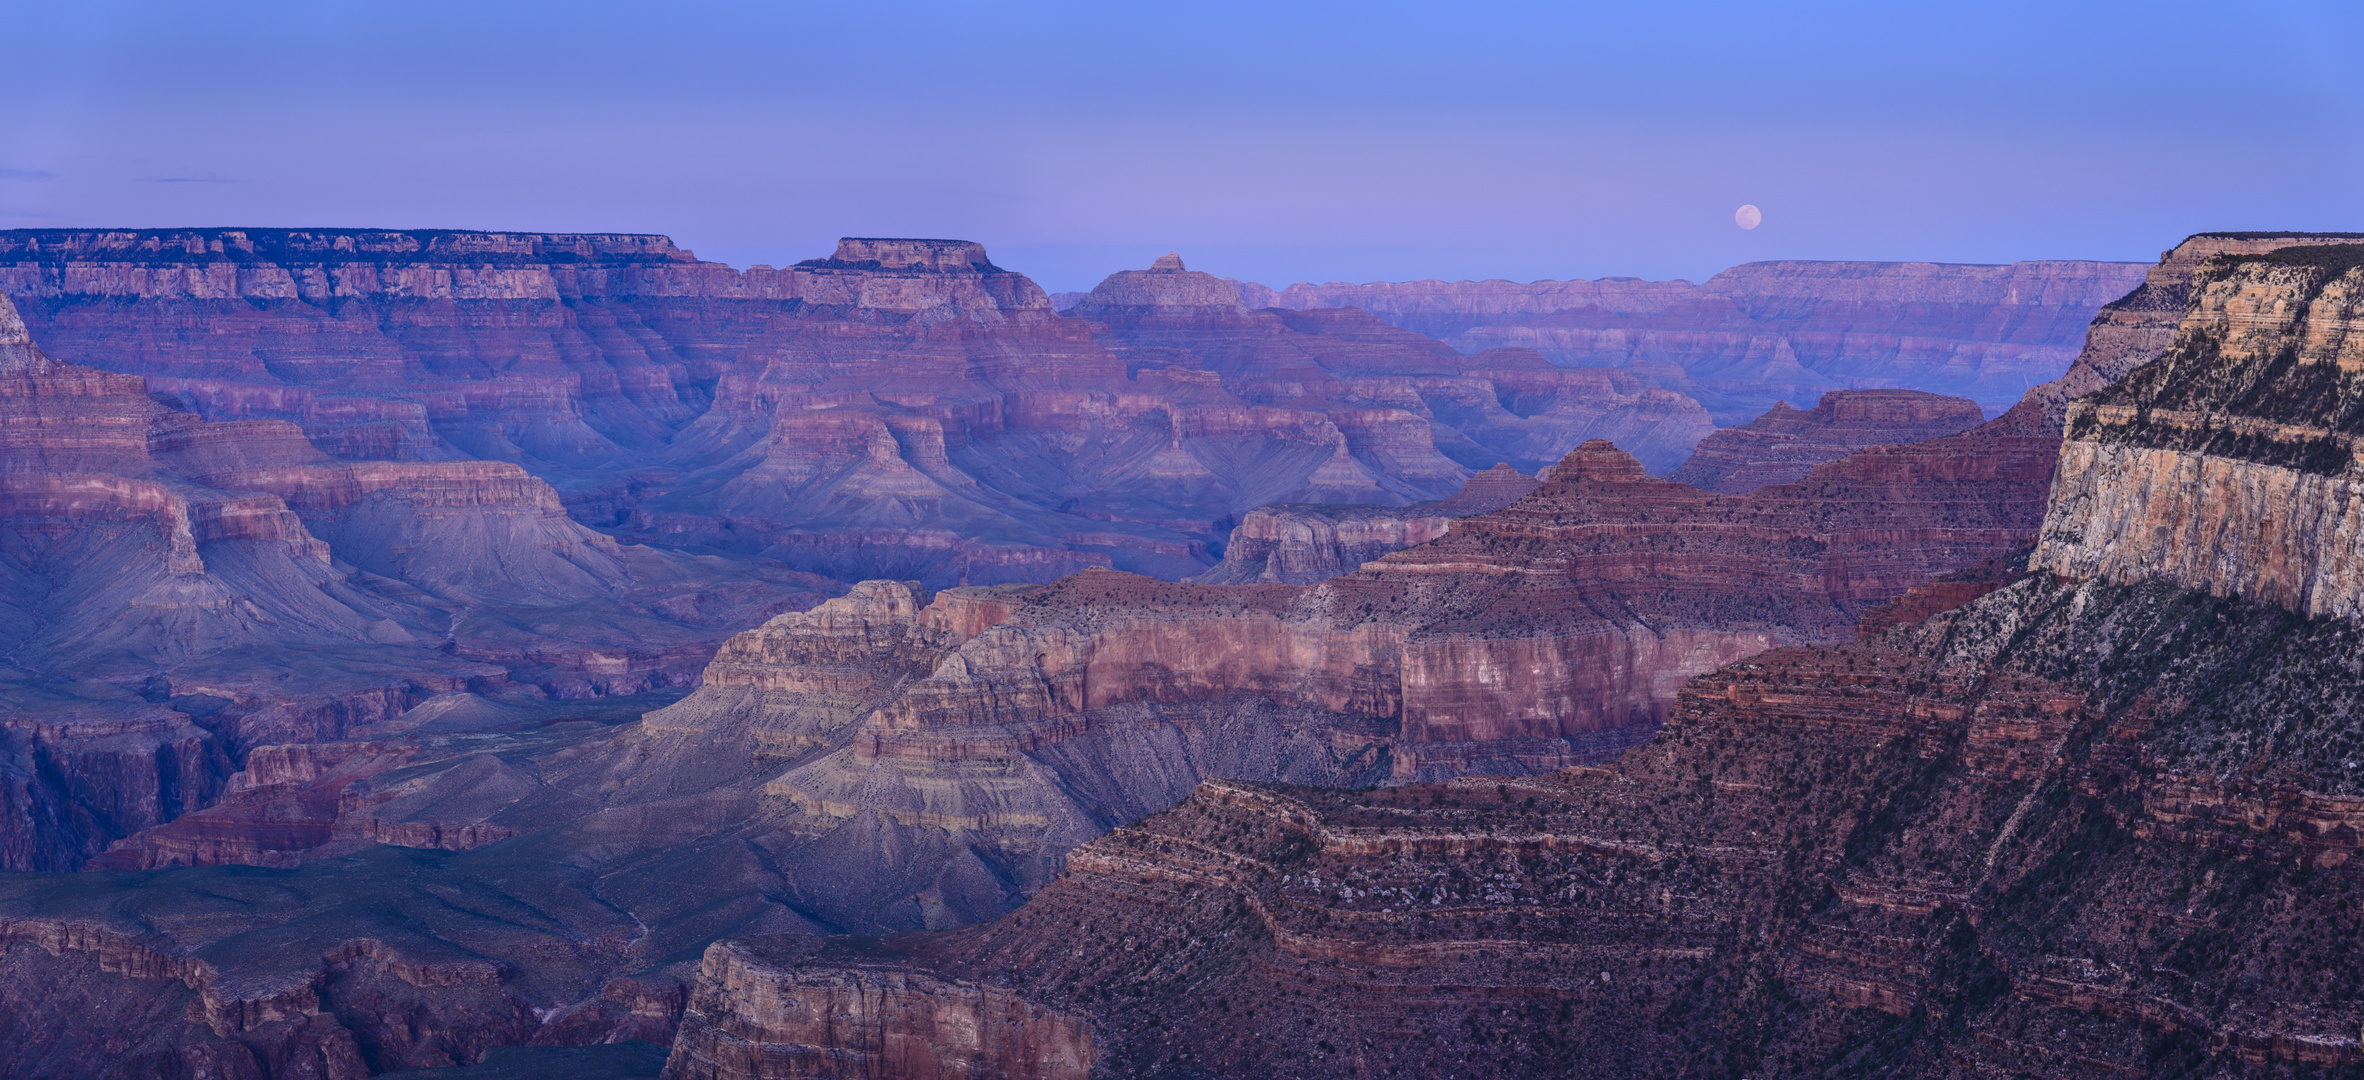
(1785, 444)
(2028, 824)
(2010, 839)
(1304, 543)
(176, 591)
(1764, 331)
(898, 409)
(899, 759)
(2229, 465)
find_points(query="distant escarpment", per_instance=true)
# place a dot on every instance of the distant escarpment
(900, 408)
(1759, 332)
(1785, 444)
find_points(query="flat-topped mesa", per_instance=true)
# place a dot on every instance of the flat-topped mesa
(285, 247)
(1785, 444)
(1166, 284)
(316, 265)
(959, 256)
(2230, 463)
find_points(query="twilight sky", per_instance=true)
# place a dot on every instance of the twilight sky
(1271, 141)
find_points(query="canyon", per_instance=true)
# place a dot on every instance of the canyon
(2088, 806)
(1767, 331)
(897, 409)
(540, 852)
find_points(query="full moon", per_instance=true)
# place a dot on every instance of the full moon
(1748, 217)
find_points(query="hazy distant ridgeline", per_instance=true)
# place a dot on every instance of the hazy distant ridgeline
(1768, 331)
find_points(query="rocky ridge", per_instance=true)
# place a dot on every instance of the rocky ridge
(1785, 444)
(903, 759)
(2228, 465)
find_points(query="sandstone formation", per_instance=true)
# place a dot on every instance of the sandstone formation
(1393, 388)
(1785, 444)
(1764, 331)
(859, 1023)
(1306, 543)
(2138, 327)
(2229, 464)
(901, 408)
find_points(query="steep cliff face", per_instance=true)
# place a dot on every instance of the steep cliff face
(1785, 444)
(754, 1017)
(899, 409)
(2137, 328)
(2228, 465)
(1774, 330)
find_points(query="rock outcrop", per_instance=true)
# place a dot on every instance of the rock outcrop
(753, 1016)
(904, 758)
(1785, 444)
(1305, 543)
(1764, 331)
(2229, 464)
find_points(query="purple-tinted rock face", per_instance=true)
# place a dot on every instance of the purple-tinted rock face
(901, 408)
(1785, 444)
(379, 755)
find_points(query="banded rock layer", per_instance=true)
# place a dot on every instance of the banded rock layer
(177, 591)
(1303, 543)
(2229, 465)
(2002, 841)
(1785, 444)
(899, 409)
(2027, 825)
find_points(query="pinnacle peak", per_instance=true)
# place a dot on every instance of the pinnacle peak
(1168, 261)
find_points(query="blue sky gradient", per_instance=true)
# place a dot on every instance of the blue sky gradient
(1277, 142)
